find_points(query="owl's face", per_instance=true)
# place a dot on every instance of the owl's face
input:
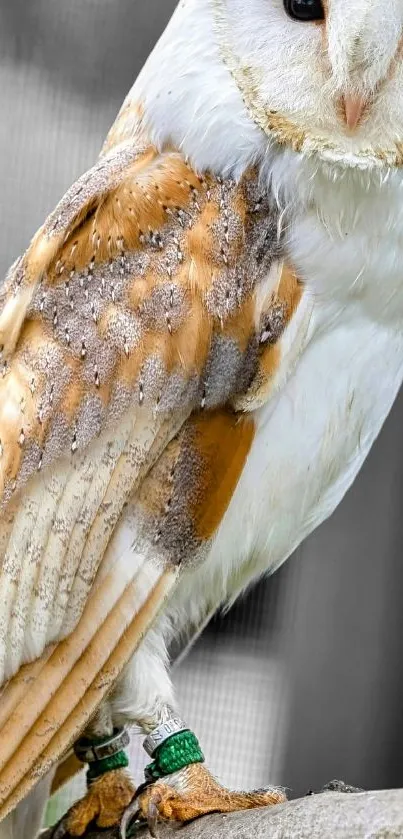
(325, 76)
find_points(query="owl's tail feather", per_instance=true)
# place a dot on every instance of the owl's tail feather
(47, 706)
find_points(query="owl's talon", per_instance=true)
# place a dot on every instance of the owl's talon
(104, 804)
(197, 795)
(129, 815)
(60, 830)
(152, 816)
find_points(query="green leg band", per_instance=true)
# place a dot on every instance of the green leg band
(178, 751)
(107, 764)
(103, 754)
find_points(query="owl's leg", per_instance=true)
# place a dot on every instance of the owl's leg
(179, 788)
(109, 792)
(140, 698)
(190, 793)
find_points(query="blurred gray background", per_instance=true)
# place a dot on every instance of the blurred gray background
(303, 680)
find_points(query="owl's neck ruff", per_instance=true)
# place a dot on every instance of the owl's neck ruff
(282, 128)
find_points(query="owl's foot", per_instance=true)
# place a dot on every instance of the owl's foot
(191, 793)
(104, 804)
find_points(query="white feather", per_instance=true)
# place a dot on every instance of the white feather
(343, 353)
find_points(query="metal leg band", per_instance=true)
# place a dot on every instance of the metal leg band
(93, 750)
(173, 725)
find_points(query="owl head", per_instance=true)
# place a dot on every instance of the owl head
(322, 76)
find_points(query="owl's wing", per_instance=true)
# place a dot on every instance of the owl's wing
(125, 331)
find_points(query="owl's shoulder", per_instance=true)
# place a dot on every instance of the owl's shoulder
(151, 288)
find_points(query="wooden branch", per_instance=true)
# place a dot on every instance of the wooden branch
(328, 815)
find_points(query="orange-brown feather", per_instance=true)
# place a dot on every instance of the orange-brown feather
(222, 441)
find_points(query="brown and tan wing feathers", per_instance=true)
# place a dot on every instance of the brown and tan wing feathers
(105, 340)
(128, 332)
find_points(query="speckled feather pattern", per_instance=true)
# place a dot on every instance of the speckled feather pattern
(149, 321)
(153, 307)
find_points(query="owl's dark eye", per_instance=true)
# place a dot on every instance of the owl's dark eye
(304, 10)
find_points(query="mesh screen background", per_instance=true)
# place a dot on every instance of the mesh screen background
(302, 681)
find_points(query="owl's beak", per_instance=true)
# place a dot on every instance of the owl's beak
(353, 107)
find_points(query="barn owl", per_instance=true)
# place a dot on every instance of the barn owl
(198, 349)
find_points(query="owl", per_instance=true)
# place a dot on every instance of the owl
(198, 349)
